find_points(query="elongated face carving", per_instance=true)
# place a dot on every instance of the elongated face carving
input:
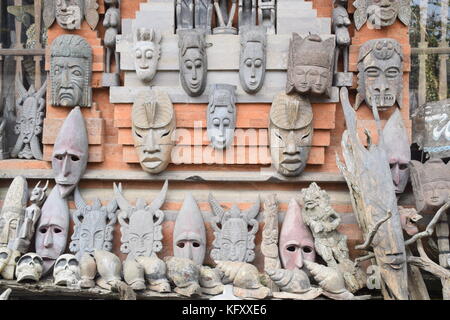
(296, 241)
(193, 61)
(71, 71)
(147, 51)
(234, 232)
(153, 125)
(70, 152)
(290, 131)
(189, 235)
(380, 67)
(310, 65)
(69, 13)
(221, 115)
(381, 13)
(252, 64)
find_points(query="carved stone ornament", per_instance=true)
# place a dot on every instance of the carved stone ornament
(398, 151)
(296, 242)
(234, 232)
(88, 270)
(245, 279)
(189, 235)
(8, 261)
(192, 14)
(185, 274)
(12, 213)
(69, 14)
(155, 271)
(30, 109)
(66, 271)
(140, 226)
(252, 59)
(221, 115)
(153, 127)
(290, 133)
(93, 226)
(224, 17)
(32, 215)
(310, 74)
(210, 281)
(247, 13)
(381, 13)
(71, 71)
(293, 284)
(267, 15)
(330, 244)
(111, 22)
(147, 51)
(133, 274)
(70, 153)
(431, 123)
(193, 61)
(374, 202)
(431, 184)
(52, 229)
(380, 74)
(269, 244)
(109, 268)
(29, 268)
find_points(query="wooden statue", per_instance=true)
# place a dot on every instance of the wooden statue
(339, 26)
(69, 14)
(112, 24)
(381, 13)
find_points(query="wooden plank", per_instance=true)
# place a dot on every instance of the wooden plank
(95, 128)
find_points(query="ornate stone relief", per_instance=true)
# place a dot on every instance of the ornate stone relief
(71, 71)
(339, 26)
(69, 14)
(66, 271)
(372, 191)
(221, 115)
(147, 51)
(380, 74)
(29, 268)
(52, 229)
(153, 126)
(30, 109)
(252, 59)
(185, 274)
(310, 74)
(111, 22)
(398, 151)
(290, 132)
(140, 226)
(70, 153)
(193, 61)
(93, 226)
(234, 232)
(381, 13)
(189, 235)
(224, 17)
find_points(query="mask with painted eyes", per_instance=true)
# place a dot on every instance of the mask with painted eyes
(147, 51)
(153, 127)
(380, 77)
(290, 132)
(252, 64)
(381, 13)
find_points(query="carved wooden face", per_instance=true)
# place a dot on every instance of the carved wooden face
(221, 125)
(69, 13)
(68, 80)
(140, 234)
(252, 66)
(93, 231)
(233, 242)
(400, 173)
(193, 70)
(311, 79)
(146, 57)
(382, 12)
(9, 223)
(30, 119)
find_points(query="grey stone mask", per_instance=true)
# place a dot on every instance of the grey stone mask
(147, 51)
(381, 13)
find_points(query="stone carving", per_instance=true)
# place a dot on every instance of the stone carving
(294, 284)
(267, 15)
(147, 51)
(155, 273)
(431, 123)
(112, 24)
(203, 15)
(210, 281)
(193, 61)
(29, 268)
(252, 59)
(224, 18)
(380, 74)
(245, 279)
(221, 115)
(381, 13)
(247, 13)
(70, 153)
(66, 271)
(4, 153)
(109, 268)
(32, 215)
(330, 244)
(290, 132)
(133, 274)
(192, 14)
(153, 126)
(8, 260)
(189, 235)
(185, 274)
(185, 14)
(374, 202)
(431, 184)
(339, 27)
(88, 271)
(69, 13)
(310, 74)
(140, 226)
(296, 241)
(30, 108)
(269, 244)
(398, 151)
(93, 226)
(71, 71)
(52, 229)
(234, 232)
(12, 213)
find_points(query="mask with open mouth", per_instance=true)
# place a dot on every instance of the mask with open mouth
(381, 13)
